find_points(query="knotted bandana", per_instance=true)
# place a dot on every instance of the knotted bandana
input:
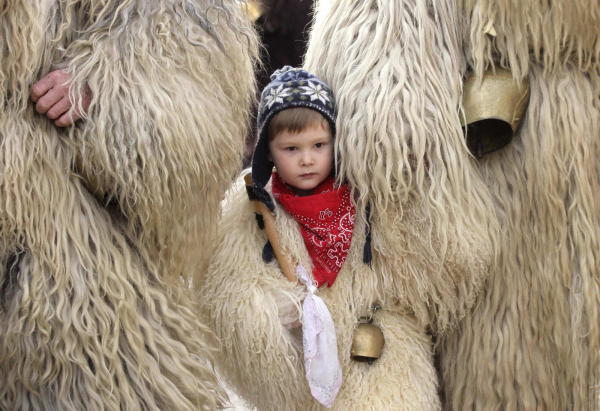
(326, 219)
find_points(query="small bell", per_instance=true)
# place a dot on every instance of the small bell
(367, 341)
(493, 109)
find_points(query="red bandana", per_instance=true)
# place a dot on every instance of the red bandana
(326, 218)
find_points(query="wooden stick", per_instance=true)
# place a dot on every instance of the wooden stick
(273, 235)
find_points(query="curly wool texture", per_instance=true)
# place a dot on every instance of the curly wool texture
(531, 341)
(95, 312)
(532, 32)
(169, 187)
(247, 301)
(396, 77)
(545, 187)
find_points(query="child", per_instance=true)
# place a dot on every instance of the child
(251, 306)
(296, 127)
(300, 145)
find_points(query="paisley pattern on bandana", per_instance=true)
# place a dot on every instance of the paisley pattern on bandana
(326, 219)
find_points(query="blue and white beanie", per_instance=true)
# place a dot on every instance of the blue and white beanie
(289, 87)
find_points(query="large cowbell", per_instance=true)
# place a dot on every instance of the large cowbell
(493, 109)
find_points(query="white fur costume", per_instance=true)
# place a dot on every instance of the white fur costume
(248, 301)
(532, 341)
(94, 310)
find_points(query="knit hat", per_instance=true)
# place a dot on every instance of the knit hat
(289, 87)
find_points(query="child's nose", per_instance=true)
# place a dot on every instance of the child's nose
(307, 158)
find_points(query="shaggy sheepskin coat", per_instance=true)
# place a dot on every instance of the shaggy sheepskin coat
(532, 340)
(95, 313)
(249, 303)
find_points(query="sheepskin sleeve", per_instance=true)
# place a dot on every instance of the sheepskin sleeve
(172, 85)
(247, 303)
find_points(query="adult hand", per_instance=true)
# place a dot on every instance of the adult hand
(51, 95)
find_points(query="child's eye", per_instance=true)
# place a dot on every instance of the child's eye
(291, 148)
(319, 145)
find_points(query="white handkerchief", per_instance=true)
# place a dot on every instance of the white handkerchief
(323, 370)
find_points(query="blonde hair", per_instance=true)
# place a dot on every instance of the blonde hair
(296, 120)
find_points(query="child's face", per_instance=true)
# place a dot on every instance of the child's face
(304, 159)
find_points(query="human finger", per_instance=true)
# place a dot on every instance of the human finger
(65, 120)
(41, 87)
(61, 107)
(49, 99)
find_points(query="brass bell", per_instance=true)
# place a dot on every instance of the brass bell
(493, 109)
(367, 343)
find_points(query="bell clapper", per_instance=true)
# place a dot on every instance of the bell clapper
(479, 149)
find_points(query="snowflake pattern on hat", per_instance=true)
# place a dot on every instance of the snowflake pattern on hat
(294, 87)
(315, 91)
(276, 95)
